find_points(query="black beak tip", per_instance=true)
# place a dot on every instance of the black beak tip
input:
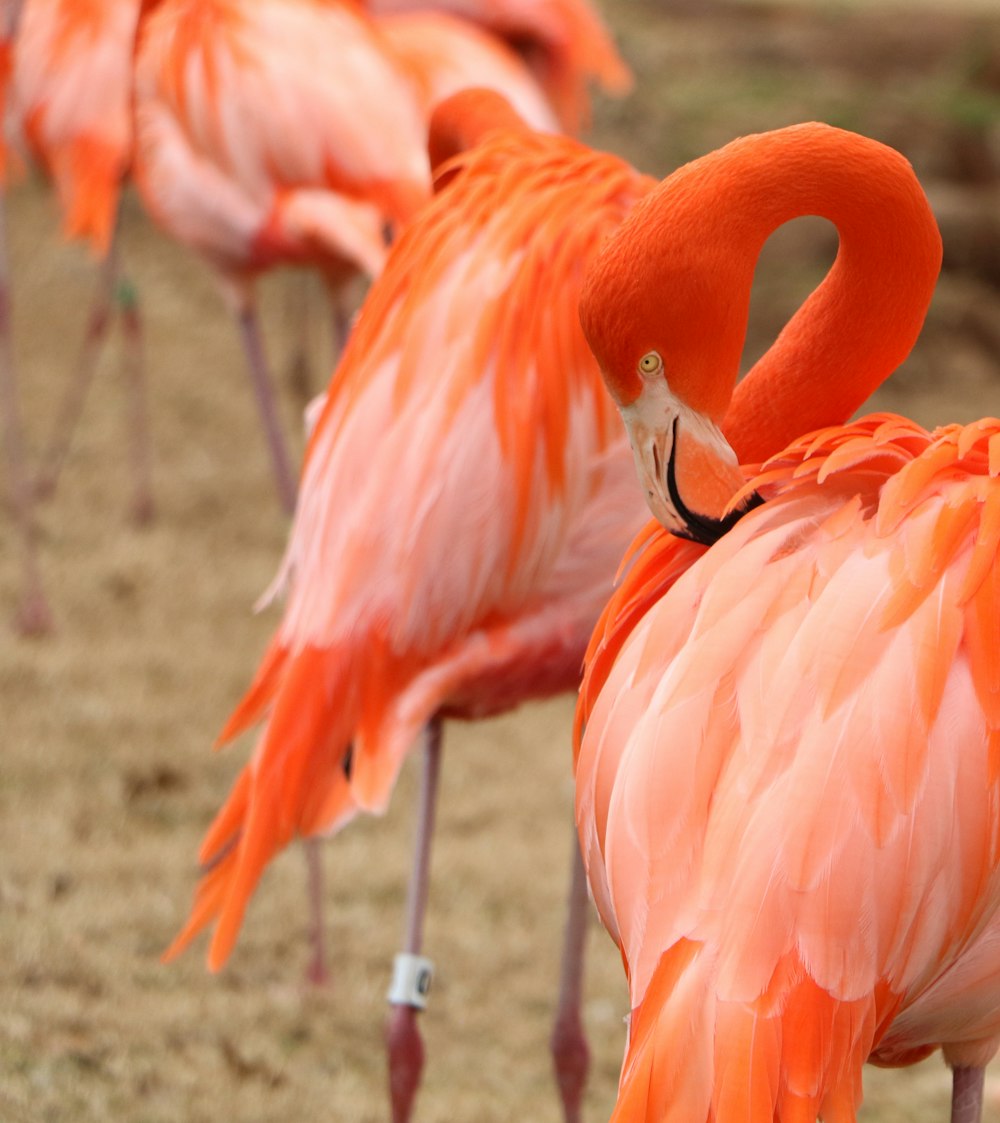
(698, 528)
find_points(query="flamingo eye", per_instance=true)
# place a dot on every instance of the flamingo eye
(650, 363)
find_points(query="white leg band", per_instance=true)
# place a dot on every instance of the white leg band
(411, 980)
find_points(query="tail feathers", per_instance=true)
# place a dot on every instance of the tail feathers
(253, 704)
(297, 783)
(89, 177)
(696, 1058)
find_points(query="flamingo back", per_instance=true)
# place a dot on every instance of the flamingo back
(788, 781)
(286, 95)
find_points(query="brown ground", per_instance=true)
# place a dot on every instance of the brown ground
(106, 780)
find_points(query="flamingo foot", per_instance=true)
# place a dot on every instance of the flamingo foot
(405, 1050)
(571, 1058)
(967, 1094)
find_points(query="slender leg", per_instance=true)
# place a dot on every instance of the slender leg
(340, 323)
(142, 507)
(284, 476)
(412, 974)
(33, 615)
(68, 414)
(967, 1095)
(299, 315)
(316, 973)
(570, 1053)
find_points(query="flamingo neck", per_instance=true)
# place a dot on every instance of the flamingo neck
(462, 121)
(863, 319)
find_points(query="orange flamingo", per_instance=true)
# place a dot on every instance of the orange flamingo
(275, 132)
(563, 41)
(71, 94)
(466, 494)
(788, 769)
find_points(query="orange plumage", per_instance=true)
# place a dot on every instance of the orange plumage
(70, 97)
(465, 497)
(788, 771)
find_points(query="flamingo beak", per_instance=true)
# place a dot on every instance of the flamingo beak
(687, 469)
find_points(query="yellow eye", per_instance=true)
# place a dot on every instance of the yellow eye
(650, 363)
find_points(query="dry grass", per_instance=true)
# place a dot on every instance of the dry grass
(106, 782)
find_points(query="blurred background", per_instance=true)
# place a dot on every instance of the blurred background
(107, 779)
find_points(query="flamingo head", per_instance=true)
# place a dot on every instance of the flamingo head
(659, 312)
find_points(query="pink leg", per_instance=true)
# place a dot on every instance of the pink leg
(284, 476)
(142, 507)
(412, 976)
(56, 451)
(299, 315)
(967, 1095)
(316, 973)
(568, 1042)
(33, 615)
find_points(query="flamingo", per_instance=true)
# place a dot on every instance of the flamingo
(563, 41)
(446, 54)
(465, 497)
(788, 743)
(70, 100)
(275, 132)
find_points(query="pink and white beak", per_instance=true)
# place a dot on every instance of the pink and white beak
(688, 470)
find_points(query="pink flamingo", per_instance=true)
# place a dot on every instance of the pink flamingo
(563, 41)
(71, 90)
(465, 497)
(255, 150)
(789, 751)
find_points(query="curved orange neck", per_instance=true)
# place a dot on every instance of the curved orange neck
(678, 277)
(461, 121)
(862, 321)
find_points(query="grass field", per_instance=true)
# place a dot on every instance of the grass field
(106, 775)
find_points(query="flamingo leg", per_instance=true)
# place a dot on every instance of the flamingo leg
(142, 507)
(570, 1053)
(299, 311)
(317, 973)
(56, 451)
(33, 616)
(284, 476)
(412, 974)
(967, 1094)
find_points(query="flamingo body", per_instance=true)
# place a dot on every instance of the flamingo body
(275, 132)
(465, 497)
(797, 746)
(71, 99)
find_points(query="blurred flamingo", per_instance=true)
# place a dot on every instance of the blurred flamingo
(465, 498)
(445, 54)
(788, 769)
(70, 102)
(563, 41)
(275, 132)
